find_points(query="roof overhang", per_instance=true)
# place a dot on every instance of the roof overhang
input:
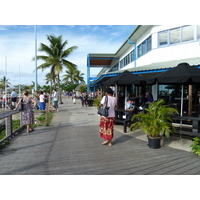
(100, 60)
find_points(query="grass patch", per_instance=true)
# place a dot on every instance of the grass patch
(15, 126)
(41, 120)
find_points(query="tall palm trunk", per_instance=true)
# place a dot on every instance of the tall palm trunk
(50, 87)
(60, 96)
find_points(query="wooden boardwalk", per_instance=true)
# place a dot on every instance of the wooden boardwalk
(72, 146)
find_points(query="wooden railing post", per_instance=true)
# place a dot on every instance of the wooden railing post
(8, 122)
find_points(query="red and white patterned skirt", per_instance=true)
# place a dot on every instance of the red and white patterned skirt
(106, 127)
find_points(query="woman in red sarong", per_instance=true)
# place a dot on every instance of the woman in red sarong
(107, 123)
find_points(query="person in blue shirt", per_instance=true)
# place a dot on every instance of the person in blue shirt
(149, 97)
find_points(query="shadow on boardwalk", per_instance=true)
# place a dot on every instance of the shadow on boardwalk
(71, 145)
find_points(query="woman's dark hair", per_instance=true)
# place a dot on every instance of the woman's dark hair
(26, 92)
(109, 91)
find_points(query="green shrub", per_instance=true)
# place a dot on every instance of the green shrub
(42, 119)
(97, 102)
(15, 126)
(196, 146)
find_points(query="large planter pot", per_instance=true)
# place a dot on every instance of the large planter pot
(154, 143)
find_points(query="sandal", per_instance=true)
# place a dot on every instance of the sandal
(30, 130)
(110, 144)
(105, 142)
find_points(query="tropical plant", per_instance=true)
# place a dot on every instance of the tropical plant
(4, 83)
(73, 76)
(97, 102)
(79, 76)
(196, 146)
(83, 89)
(55, 57)
(156, 121)
(69, 87)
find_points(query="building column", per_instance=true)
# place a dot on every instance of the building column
(88, 74)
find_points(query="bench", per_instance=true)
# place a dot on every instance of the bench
(119, 113)
(194, 130)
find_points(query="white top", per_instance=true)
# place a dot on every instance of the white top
(41, 98)
(4, 98)
(55, 95)
(111, 103)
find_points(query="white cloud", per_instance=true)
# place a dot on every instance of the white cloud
(3, 29)
(19, 48)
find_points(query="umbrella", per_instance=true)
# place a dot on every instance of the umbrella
(183, 74)
(125, 78)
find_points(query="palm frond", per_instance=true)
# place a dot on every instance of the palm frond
(69, 64)
(68, 51)
(45, 49)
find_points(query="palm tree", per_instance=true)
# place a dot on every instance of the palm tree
(73, 76)
(56, 57)
(49, 79)
(4, 83)
(79, 76)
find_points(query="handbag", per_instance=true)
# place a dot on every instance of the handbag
(21, 105)
(103, 110)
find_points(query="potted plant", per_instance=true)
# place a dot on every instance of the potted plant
(155, 122)
(96, 102)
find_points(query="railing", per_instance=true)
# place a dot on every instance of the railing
(8, 124)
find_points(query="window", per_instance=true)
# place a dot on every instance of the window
(144, 47)
(174, 35)
(127, 59)
(187, 33)
(114, 68)
(122, 63)
(163, 38)
(132, 56)
(177, 35)
(139, 51)
(198, 31)
(148, 44)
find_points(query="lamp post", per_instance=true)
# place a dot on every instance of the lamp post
(19, 83)
(5, 82)
(36, 78)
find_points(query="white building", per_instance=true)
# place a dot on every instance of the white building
(148, 50)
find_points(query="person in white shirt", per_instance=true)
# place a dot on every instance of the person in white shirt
(4, 100)
(55, 99)
(106, 125)
(13, 96)
(41, 100)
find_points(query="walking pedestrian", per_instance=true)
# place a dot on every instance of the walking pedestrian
(82, 97)
(55, 99)
(106, 125)
(4, 100)
(74, 98)
(41, 100)
(27, 112)
(13, 96)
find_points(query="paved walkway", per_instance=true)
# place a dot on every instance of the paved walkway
(71, 145)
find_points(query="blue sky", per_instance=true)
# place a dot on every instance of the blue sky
(18, 46)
